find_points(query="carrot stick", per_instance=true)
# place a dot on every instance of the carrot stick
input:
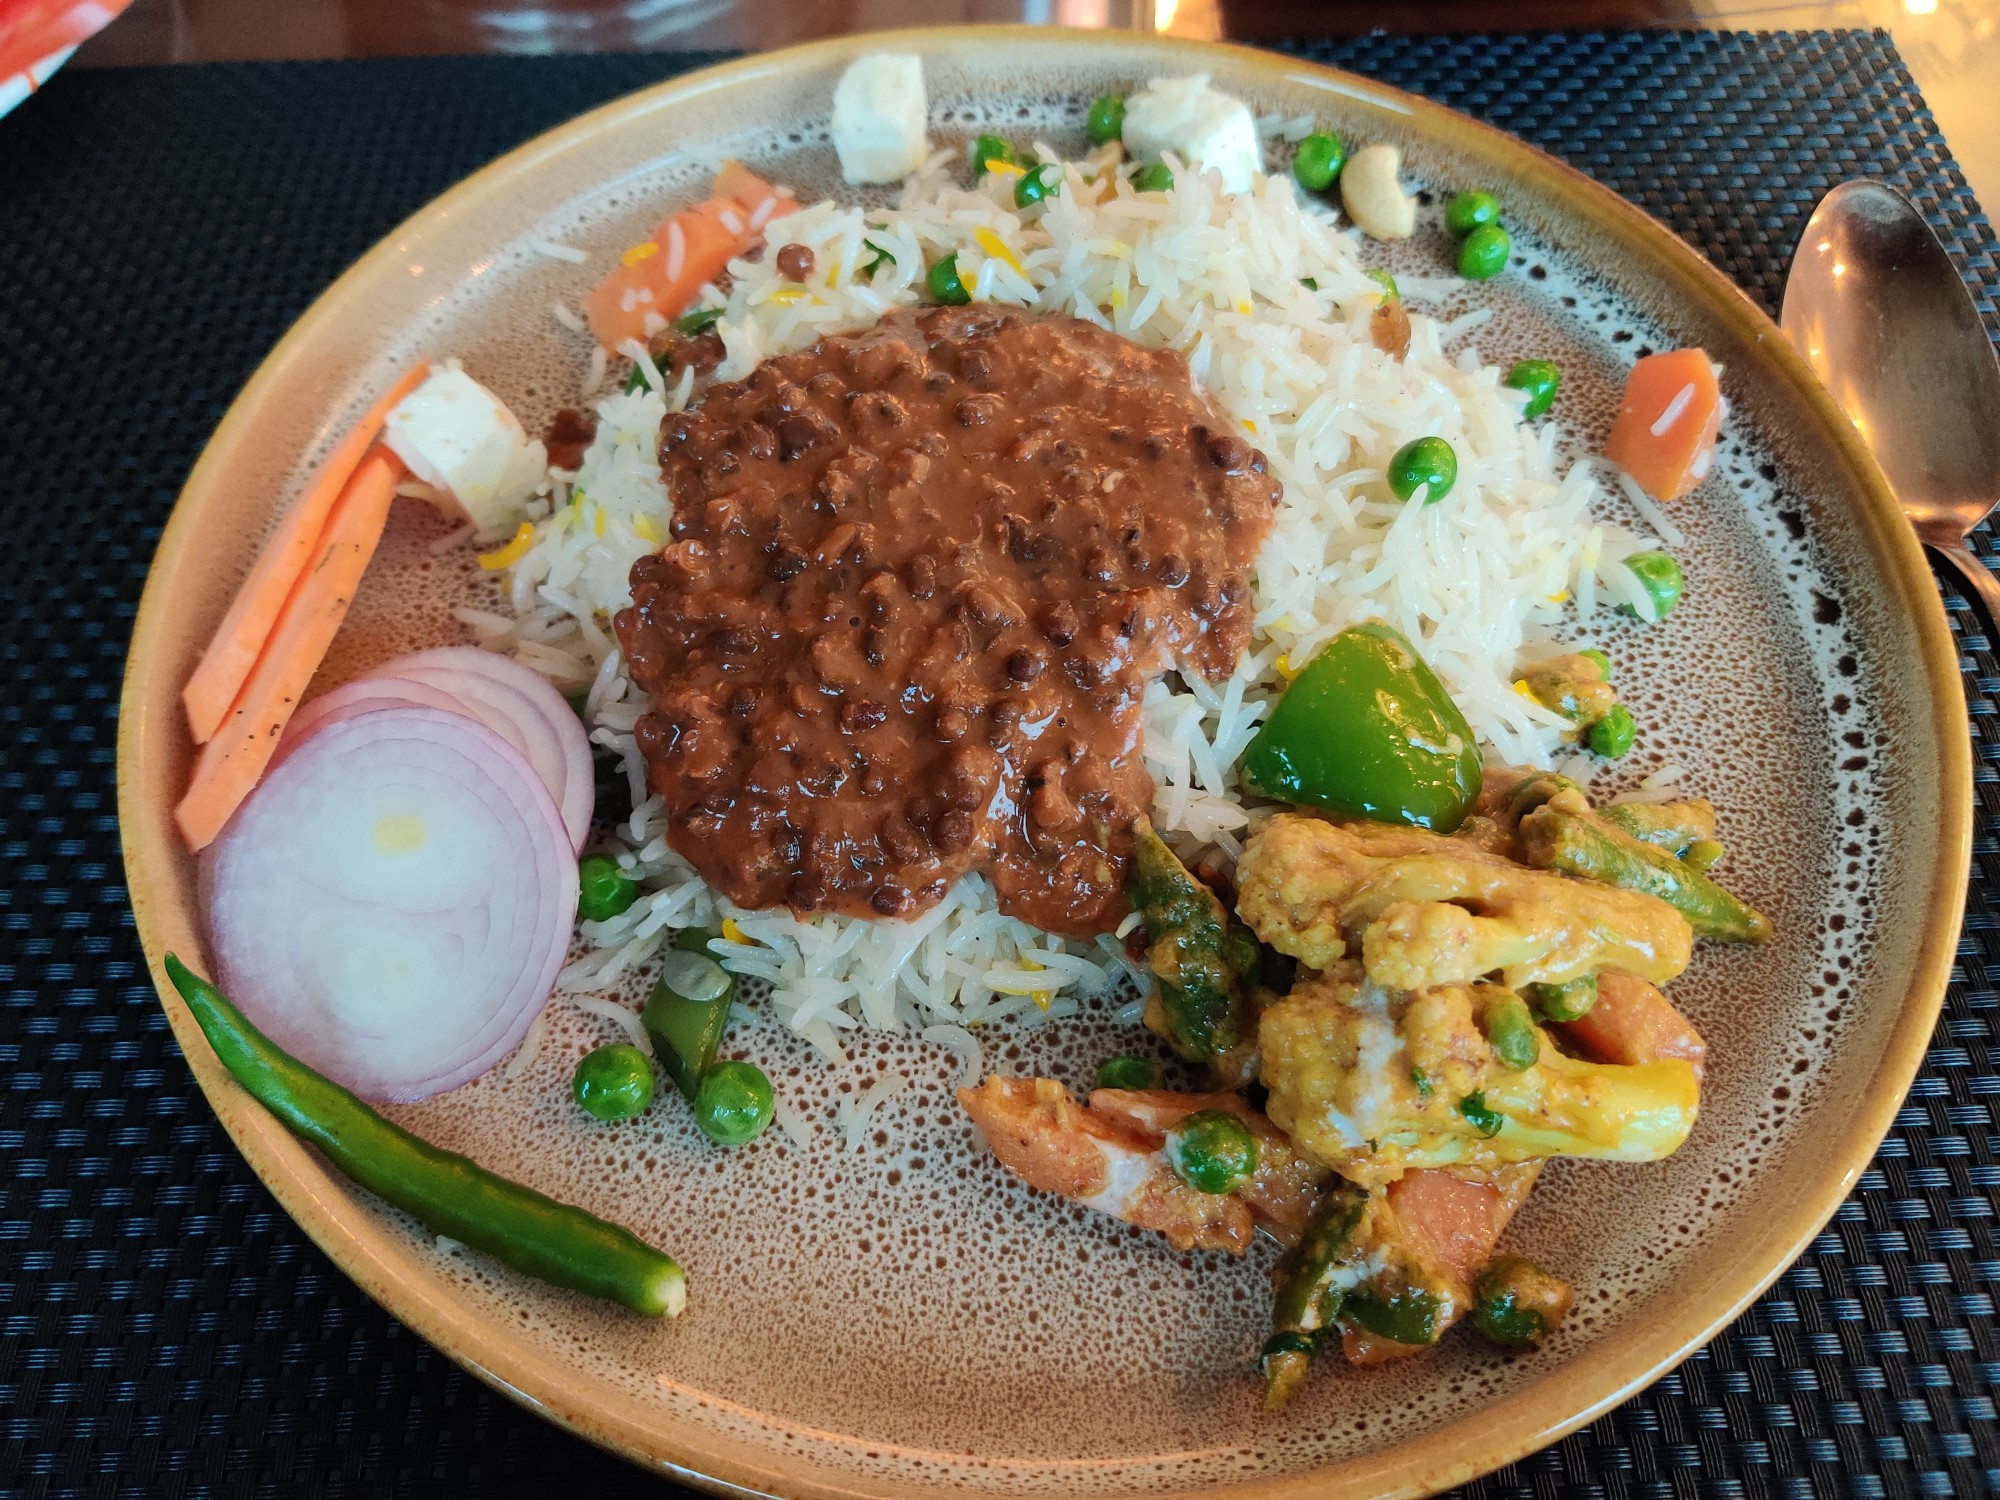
(225, 666)
(237, 753)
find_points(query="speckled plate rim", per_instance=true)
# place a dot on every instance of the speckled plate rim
(1496, 1433)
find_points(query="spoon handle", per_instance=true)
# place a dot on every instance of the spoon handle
(1977, 574)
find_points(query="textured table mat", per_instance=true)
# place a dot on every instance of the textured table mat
(166, 1331)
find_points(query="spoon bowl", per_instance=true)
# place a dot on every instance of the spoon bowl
(1878, 309)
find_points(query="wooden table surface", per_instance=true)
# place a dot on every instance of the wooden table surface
(1952, 46)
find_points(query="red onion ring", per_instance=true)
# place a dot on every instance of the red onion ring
(394, 902)
(360, 696)
(523, 708)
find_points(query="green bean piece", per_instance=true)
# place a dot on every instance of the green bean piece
(1517, 1304)
(1318, 162)
(1484, 253)
(1128, 1073)
(449, 1194)
(1535, 791)
(734, 1103)
(1540, 379)
(1704, 854)
(1488, 1122)
(1106, 121)
(1661, 577)
(689, 1010)
(1037, 184)
(1403, 1314)
(882, 258)
(1585, 846)
(1613, 735)
(613, 1083)
(943, 283)
(1569, 1001)
(1308, 1294)
(988, 149)
(1469, 211)
(1426, 463)
(1673, 826)
(1510, 1030)
(1154, 177)
(1387, 282)
(1592, 654)
(603, 890)
(1198, 984)
(1212, 1151)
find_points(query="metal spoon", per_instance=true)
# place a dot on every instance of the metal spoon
(1881, 314)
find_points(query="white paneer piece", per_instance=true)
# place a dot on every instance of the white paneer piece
(879, 109)
(1200, 125)
(460, 438)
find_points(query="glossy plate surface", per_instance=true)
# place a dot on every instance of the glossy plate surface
(903, 1319)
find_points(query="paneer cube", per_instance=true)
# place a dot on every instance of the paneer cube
(460, 438)
(878, 118)
(1199, 124)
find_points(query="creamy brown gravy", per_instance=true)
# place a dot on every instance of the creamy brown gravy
(919, 578)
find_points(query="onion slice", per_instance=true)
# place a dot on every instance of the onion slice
(360, 696)
(393, 903)
(523, 708)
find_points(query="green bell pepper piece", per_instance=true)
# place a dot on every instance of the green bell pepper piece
(1368, 731)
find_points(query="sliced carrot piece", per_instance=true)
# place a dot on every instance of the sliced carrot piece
(1631, 1023)
(220, 674)
(687, 250)
(1664, 434)
(236, 754)
(1453, 1220)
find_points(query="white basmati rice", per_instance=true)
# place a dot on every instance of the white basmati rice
(1472, 579)
(855, 1113)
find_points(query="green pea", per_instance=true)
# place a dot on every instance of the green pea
(1540, 379)
(1319, 161)
(1469, 211)
(1510, 1030)
(1592, 654)
(603, 890)
(991, 148)
(1154, 177)
(1569, 1001)
(1660, 576)
(613, 1083)
(1033, 186)
(1428, 461)
(1106, 121)
(1390, 291)
(1482, 1119)
(733, 1103)
(945, 287)
(1612, 735)
(1484, 253)
(1128, 1073)
(1212, 1151)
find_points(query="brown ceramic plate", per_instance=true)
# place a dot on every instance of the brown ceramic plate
(905, 1320)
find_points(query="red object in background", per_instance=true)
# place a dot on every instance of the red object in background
(32, 30)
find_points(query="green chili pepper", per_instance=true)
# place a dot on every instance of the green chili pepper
(1510, 1030)
(1517, 1304)
(1468, 211)
(1106, 121)
(1128, 1073)
(1591, 849)
(1368, 731)
(1568, 1001)
(1613, 735)
(687, 325)
(1193, 961)
(1212, 1151)
(942, 280)
(1488, 1122)
(1422, 1080)
(1403, 1314)
(1704, 854)
(1308, 1293)
(1540, 379)
(1154, 177)
(1319, 161)
(688, 1010)
(450, 1194)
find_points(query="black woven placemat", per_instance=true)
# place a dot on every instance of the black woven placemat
(166, 1331)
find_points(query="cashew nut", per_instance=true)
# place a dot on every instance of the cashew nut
(1373, 198)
